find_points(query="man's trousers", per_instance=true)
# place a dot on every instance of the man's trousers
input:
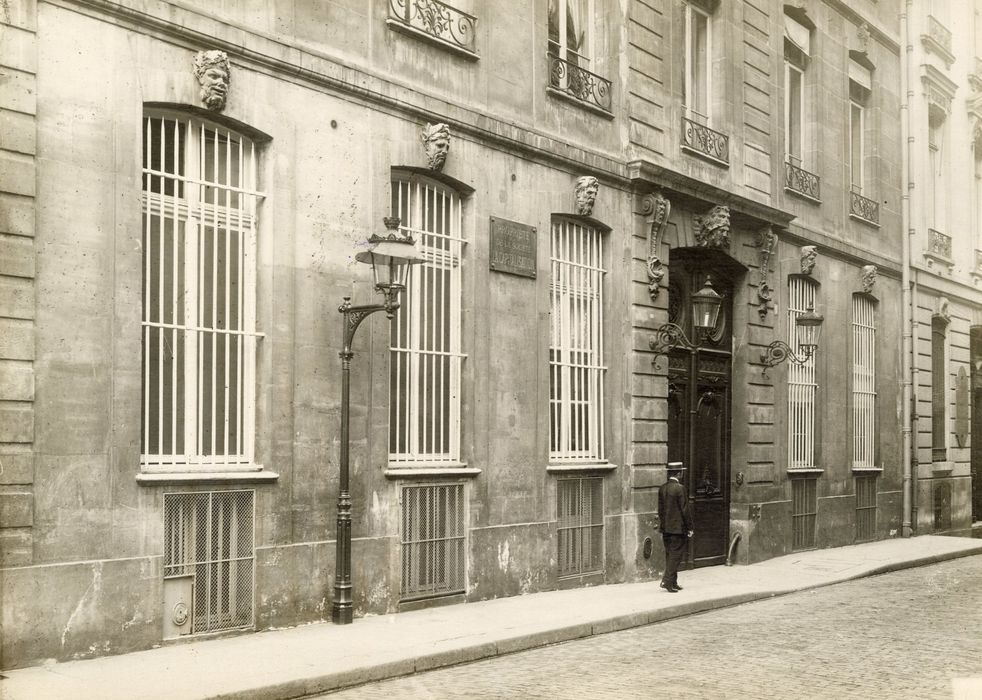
(674, 550)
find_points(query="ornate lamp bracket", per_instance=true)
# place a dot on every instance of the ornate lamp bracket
(779, 351)
(668, 337)
(766, 243)
(656, 208)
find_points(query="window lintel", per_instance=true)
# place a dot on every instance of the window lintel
(415, 172)
(206, 115)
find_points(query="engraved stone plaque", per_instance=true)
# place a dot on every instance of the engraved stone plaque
(512, 248)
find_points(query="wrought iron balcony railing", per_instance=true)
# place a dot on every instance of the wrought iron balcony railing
(436, 21)
(579, 84)
(800, 181)
(939, 33)
(705, 141)
(864, 208)
(938, 244)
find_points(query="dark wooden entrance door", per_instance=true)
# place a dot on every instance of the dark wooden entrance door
(699, 411)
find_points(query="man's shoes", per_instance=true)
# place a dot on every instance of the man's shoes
(671, 589)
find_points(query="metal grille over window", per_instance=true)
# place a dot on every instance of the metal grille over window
(208, 548)
(433, 554)
(804, 508)
(801, 383)
(581, 529)
(576, 369)
(424, 383)
(865, 508)
(863, 382)
(199, 280)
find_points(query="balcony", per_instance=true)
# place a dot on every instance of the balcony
(705, 142)
(938, 251)
(864, 209)
(975, 77)
(938, 40)
(801, 182)
(437, 23)
(571, 82)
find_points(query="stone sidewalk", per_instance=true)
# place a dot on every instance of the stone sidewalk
(316, 658)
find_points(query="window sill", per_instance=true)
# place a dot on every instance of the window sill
(941, 468)
(176, 478)
(805, 473)
(867, 470)
(448, 472)
(580, 468)
(560, 95)
(409, 30)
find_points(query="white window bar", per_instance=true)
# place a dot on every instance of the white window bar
(199, 335)
(576, 369)
(425, 344)
(863, 382)
(802, 387)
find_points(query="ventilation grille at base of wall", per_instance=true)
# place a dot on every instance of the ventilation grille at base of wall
(208, 548)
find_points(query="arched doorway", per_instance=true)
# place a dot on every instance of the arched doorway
(699, 398)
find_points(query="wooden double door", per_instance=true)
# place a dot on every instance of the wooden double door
(699, 399)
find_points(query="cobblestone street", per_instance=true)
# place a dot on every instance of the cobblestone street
(902, 635)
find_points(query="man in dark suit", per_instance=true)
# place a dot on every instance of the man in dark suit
(675, 524)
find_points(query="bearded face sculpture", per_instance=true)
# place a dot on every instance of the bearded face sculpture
(809, 255)
(436, 143)
(214, 75)
(586, 194)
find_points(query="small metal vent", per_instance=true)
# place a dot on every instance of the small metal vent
(804, 508)
(581, 525)
(208, 541)
(865, 508)
(433, 554)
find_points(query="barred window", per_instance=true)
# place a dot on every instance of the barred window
(863, 382)
(576, 369)
(939, 389)
(426, 357)
(199, 280)
(804, 512)
(865, 508)
(581, 525)
(802, 386)
(433, 554)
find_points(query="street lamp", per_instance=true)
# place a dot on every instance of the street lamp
(705, 312)
(390, 254)
(809, 328)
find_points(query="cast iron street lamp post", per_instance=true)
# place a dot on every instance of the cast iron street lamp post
(390, 256)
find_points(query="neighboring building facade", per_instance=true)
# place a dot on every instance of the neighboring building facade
(946, 235)
(178, 231)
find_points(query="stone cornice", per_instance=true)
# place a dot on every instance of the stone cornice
(650, 175)
(877, 31)
(192, 28)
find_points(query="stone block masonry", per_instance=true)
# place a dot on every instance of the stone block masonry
(18, 63)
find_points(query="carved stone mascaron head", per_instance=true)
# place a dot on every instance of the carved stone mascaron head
(586, 194)
(436, 144)
(809, 255)
(214, 75)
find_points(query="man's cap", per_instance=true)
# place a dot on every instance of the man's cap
(675, 467)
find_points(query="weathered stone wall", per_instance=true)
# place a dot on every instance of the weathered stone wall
(18, 193)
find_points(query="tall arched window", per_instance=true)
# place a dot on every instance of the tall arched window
(576, 356)
(802, 385)
(199, 287)
(426, 357)
(863, 381)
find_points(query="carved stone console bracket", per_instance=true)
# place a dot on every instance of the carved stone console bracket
(766, 243)
(713, 228)
(656, 208)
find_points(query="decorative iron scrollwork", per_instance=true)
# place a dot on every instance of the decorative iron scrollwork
(705, 141)
(438, 19)
(864, 208)
(802, 182)
(579, 83)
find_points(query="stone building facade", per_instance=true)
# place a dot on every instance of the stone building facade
(946, 262)
(188, 187)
